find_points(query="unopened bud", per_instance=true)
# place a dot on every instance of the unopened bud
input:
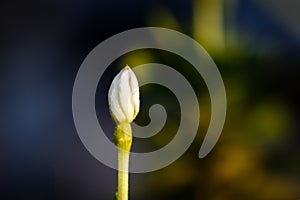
(124, 96)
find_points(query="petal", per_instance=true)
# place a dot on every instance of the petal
(135, 93)
(113, 100)
(125, 94)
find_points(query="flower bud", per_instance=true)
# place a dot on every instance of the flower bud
(124, 96)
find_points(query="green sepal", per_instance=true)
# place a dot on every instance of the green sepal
(123, 136)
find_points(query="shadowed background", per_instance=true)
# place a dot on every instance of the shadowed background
(256, 46)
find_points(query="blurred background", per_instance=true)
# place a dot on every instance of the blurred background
(256, 46)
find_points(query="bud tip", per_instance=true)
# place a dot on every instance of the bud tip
(127, 67)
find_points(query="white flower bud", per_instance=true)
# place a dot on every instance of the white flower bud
(124, 96)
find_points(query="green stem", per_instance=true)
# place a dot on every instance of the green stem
(123, 158)
(123, 141)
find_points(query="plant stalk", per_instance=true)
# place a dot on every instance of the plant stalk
(123, 159)
(123, 141)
